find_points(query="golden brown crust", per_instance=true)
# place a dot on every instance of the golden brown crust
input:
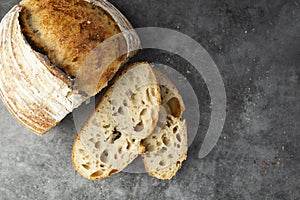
(42, 94)
(72, 34)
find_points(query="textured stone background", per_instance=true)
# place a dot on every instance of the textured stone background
(256, 46)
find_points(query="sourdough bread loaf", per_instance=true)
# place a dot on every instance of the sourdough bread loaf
(75, 36)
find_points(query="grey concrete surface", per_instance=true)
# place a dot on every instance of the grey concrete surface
(256, 46)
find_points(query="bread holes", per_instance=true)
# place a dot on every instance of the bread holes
(106, 126)
(139, 127)
(129, 93)
(75, 59)
(178, 146)
(104, 156)
(150, 148)
(107, 133)
(121, 111)
(112, 172)
(174, 106)
(162, 163)
(166, 140)
(102, 166)
(91, 140)
(120, 150)
(116, 156)
(143, 112)
(178, 137)
(125, 103)
(170, 156)
(178, 163)
(115, 136)
(98, 145)
(96, 175)
(81, 151)
(148, 95)
(168, 124)
(153, 92)
(167, 91)
(175, 129)
(163, 150)
(128, 145)
(133, 97)
(86, 166)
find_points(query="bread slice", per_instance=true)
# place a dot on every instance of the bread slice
(126, 114)
(166, 148)
(80, 37)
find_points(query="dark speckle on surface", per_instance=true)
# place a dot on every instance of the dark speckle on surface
(256, 46)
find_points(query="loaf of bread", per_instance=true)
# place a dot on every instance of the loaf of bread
(79, 37)
(166, 147)
(126, 114)
(86, 41)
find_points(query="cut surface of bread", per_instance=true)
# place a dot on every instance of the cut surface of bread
(126, 114)
(79, 37)
(166, 147)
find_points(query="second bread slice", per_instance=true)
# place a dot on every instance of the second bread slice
(166, 148)
(126, 114)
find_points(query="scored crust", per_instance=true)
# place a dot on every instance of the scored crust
(166, 147)
(36, 96)
(126, 114)
(87, 40)
(39, 94)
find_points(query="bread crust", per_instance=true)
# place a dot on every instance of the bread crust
(86, 40)
(27, 87)
(38, 94)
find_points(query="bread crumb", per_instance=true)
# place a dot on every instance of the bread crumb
(266, 164)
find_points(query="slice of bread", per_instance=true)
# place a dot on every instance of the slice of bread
(166, 148)
(126, 114)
